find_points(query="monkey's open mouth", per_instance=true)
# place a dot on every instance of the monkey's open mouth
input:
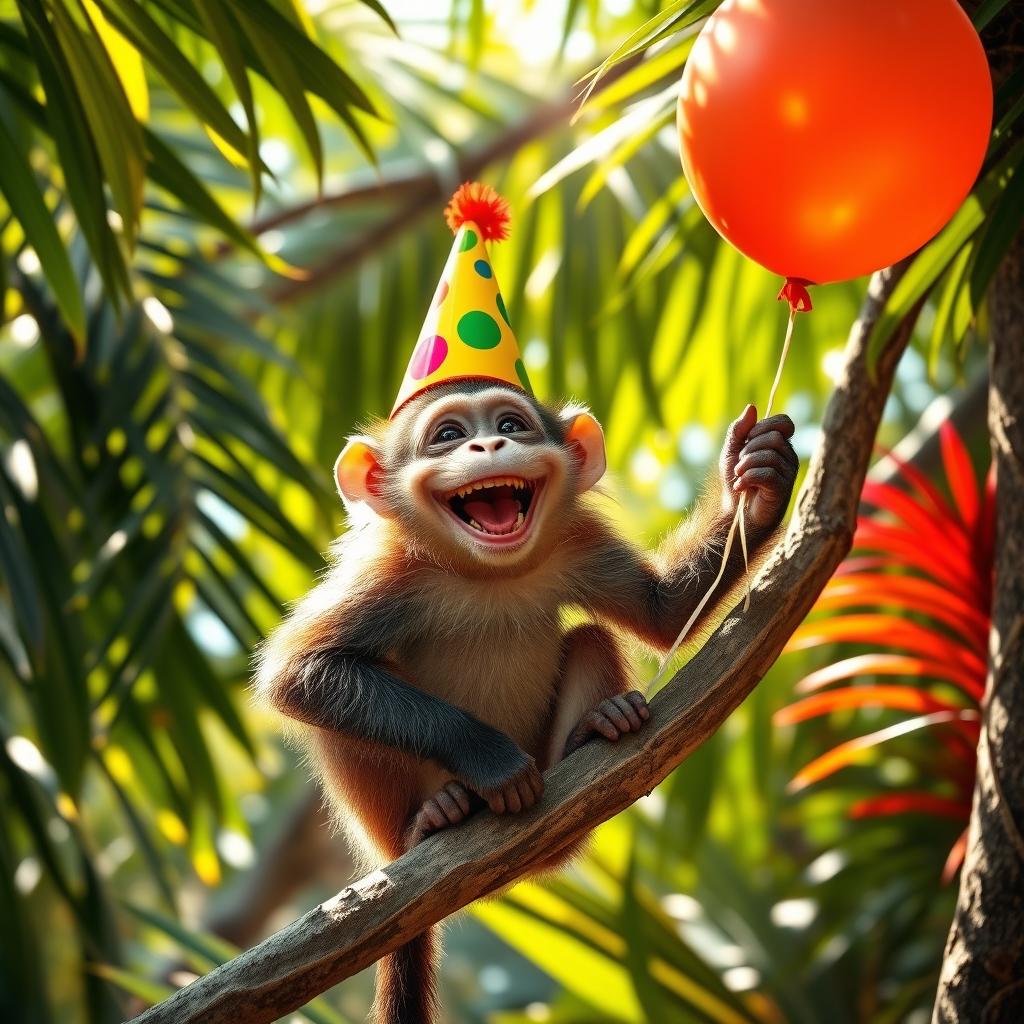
(498, 507)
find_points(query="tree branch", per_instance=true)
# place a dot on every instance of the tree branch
(420, 193)
(451, 869)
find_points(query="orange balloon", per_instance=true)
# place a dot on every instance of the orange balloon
(828, 138)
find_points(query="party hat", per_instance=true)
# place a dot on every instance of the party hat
(467, 334)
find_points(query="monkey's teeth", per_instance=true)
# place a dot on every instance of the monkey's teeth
(476, 526)
(520, 519)
(498, 481)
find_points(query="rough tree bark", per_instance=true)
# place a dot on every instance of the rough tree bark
(983, 972)
(982, 977)
(451, 869)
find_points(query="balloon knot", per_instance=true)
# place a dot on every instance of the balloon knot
(794, 291)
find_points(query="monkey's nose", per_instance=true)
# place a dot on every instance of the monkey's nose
(490, 444)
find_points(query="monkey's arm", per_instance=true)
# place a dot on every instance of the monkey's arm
(350, 694)
(655, 597)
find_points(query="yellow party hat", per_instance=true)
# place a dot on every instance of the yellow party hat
(467, 335)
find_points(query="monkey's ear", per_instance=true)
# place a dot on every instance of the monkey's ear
(585, 440)
(360, 476)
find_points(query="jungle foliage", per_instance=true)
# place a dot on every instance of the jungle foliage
(219, 231)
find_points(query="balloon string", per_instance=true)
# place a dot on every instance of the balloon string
(782, 360)
(737, 521)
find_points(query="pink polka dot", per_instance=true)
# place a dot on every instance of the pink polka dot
(430, 353)
(441, 294)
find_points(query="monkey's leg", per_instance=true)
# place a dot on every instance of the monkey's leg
(594, 695)
(594, 698)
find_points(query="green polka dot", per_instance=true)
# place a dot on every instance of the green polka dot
(479, 329)
(502, 310)
(468, 241)
(523, 377)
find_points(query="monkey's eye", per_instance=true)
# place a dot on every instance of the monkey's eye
(511, 425)
(447, 433)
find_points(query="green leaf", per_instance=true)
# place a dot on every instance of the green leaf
(540, 927)
(179, 695)
(217, 696)
(242, 563)
(986, 11)
(932, 262)
(17, 571)
(229, 419)
(137, 25)
(149, 992)
(64, 117)
(656, 1003)
(222, 30)
(4, 277)
(111, 120)
(998, 233)
(319, 73)
(21, 961)
(158, 864)
(941, 329)
(214, 951)
(18, 185)
(238, 491)
(35, 808)
(674, 18)
(623, 153)
(288, 82)
(170, 173)
(378, 8)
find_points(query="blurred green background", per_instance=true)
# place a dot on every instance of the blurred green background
(220, 227)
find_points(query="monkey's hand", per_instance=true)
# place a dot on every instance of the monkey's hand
(505, 776)
(448, 807)
(758, 458)
(612, 718)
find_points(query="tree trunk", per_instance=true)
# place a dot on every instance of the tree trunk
(982, 979)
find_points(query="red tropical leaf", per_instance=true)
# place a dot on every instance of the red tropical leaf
(890, 630)
(960, 473)
(879, 664)
(902, 698)
(904, 548)
(927, 526)
(847, 753)
(864, 589)
(904, 803)
(920, 484)
(861, 564)
(918, 588)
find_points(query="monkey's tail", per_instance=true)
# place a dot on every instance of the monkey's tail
(407, 982)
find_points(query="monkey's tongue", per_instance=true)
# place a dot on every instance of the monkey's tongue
(496, 515)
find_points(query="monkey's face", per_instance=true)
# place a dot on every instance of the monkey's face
(483, 473)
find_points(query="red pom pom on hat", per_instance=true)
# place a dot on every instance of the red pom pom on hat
(481, 204)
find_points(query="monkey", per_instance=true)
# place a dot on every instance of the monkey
(431, 671)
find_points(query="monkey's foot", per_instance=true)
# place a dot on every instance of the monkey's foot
(612, 718)
(449, 806)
